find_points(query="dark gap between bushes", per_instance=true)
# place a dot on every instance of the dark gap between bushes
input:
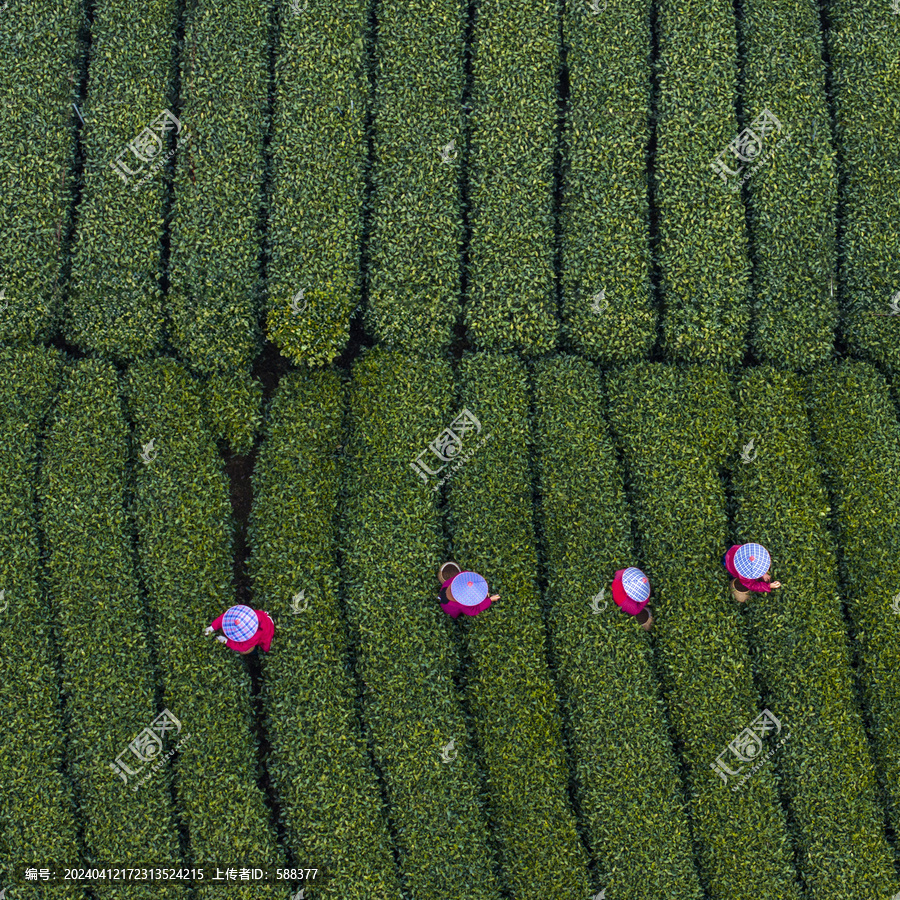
(841, 344)
(573, 787)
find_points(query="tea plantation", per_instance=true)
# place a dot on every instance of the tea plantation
(300, 299)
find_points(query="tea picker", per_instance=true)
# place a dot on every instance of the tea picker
(244, 629)
(631, 592)
(463, 592)
(749, 566)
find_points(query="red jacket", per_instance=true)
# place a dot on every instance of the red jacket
(263, 634)
(749, 584)
(632, 607)
(453, 608)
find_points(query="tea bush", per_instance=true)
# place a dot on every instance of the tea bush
(676, 426)
(183, 519)
(792, 185)
(232, 404)
(107, 675)
(320, 766)
(513, 695)
(214, 293)
(703, 260)
(799, 645)
(392, 547)
(416, 243)
(858, 440)
(41, 52)
(605, 214)
(38, 821)
(511, 301)
(114, 304)
(318, 179)
(604, 660)
(863, 44)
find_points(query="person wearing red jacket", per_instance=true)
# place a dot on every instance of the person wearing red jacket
(749, 565)
(244, 629)
(631, 592)
(469, 587)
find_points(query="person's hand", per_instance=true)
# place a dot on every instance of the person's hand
(776, 584)
(221, 638)
(209, 629)
(494, 598)
(767, 577)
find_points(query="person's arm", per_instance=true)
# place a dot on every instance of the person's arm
(216, 624)
(757, 585)
(267, 629)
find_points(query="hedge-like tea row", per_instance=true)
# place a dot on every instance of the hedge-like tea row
(511, 301)
(320, 767)
(232, 404)
(37, 820)
(677, 427)
(417, 218)
(586, 537)
(792, 184)
(213, 298)
(319, 151)
(858, 438)
(512, 691)
(114, 304)
(864, 50)
(800, 647)
(703, 259)
(606, 303)
(108, 677)
(405, 653)
(41, 52)
(183, 517)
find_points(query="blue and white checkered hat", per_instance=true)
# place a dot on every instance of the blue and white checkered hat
(468, 588)
(240, 623)
(636, 584)
(752, 560)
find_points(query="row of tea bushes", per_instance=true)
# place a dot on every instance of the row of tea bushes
(605, 227)
(115, 305)
(319, 149)
(512, 693)
(416, 242)
(704, 265)
(184, 525)
(38, 820)
(858, 439)
(621, 747)
(320, 767)
(214, 291)
(863, 44)
(676, 426)
(108, 676)
(800, 647)
(392, 547)
(511, 302)
(792, 183)
(42, 54)
(232, 408)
